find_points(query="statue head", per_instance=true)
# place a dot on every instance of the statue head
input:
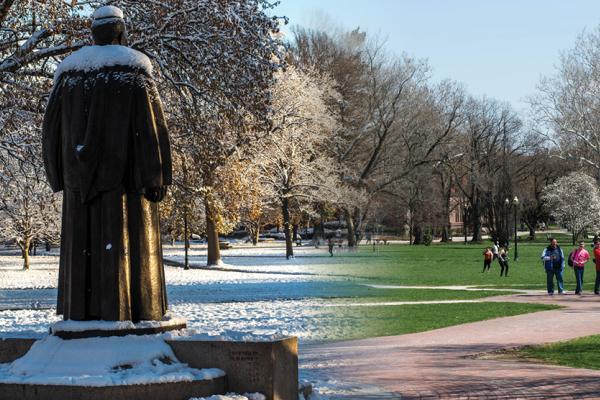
(108, 26)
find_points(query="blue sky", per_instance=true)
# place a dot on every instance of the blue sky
(498, 48)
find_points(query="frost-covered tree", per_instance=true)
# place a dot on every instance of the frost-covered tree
(29, 211)
(293, 164)
(219, 57)
(215, 61)
(31, 34)
(574, 200)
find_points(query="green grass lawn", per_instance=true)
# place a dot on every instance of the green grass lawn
(367, 294)
(437, 265)
(344, 323)
(448, 264)
(580, 353)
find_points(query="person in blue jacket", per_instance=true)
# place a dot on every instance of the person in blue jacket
(554, 264)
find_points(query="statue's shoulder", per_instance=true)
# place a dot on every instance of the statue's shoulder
(90, 58)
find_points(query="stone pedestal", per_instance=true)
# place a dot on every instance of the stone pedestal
(270, 368)
(156, 391)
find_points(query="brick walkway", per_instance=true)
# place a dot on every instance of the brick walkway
(439, 363)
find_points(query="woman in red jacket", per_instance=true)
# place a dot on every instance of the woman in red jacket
(597, 262)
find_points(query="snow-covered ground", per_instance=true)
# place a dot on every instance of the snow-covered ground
(255, 292)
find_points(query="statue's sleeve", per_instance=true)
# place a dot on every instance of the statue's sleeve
(52, 139)
(163, 138)
(151, 140)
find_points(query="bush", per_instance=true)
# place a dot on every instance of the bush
(427, 238)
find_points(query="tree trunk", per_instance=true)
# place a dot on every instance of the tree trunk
(186, 240)
(531, 232)
(445, 234)
(411, 228)
(418, 234)
(287, 229)
(447, 196)
(317, 234)
(351, 228)
(476, 222)
(254, 236)
(25, 247)
(212, 234)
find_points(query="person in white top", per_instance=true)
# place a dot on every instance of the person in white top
(495, 249)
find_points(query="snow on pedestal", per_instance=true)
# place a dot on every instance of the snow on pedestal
(233, 396)
(109, 361)
(82, 326)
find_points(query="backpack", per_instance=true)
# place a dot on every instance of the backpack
(570, 260)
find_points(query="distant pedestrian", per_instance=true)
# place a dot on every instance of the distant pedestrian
(595, 240)
(487, 259)
(579, 257)
(554, 263)
(495, 249)
(503, 261)
(330, 244)
(597, 262)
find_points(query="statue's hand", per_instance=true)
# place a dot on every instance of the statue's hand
(155, 194)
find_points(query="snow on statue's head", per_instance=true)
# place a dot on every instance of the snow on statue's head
(108, 26)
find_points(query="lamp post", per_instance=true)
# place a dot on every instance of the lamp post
(516, 205)
(466, 214)
(506, 219)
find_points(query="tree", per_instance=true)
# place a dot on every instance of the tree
(574, 200)
(215, 60)
(219, 58)
(293, 165)
(543, 169)
(390, 121)
(568, 103)
(486, 167)
(29, 210)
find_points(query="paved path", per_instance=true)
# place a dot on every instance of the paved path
(439, 363)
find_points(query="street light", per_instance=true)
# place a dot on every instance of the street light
(516, 204)
(466, 214)
(506, 219)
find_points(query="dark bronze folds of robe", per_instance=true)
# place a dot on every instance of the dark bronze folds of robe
(105, 144)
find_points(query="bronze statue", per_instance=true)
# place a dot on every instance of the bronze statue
(106, 145)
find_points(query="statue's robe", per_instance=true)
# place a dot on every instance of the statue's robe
(105, 142)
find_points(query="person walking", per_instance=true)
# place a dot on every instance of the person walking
(495, 249)
(579, 257)
(597, 262)
(503, 261)
(553, 260)
(487, 259)
(330, 244)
